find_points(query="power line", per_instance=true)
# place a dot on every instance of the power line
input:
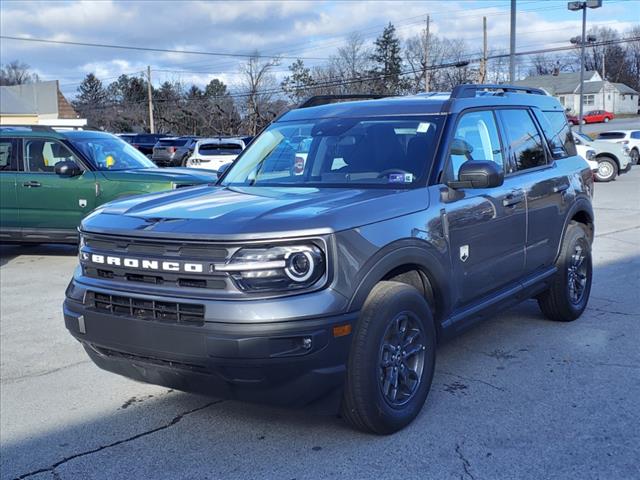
(150, 49)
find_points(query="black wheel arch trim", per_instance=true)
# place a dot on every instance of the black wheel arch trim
(400, 253)
(581, 205)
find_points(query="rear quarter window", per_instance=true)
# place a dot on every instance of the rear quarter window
(557, 133)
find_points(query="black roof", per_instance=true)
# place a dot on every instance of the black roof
(425, 104)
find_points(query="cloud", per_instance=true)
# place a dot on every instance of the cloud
(289, 28)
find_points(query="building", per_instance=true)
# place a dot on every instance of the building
(598, 94)
(39, 103)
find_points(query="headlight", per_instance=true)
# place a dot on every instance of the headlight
(280, 267)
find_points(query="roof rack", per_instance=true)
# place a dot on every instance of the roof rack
(33, 128)
(325, 99)
(470, 90)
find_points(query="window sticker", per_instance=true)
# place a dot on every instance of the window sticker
(423, 127)
(400, 177)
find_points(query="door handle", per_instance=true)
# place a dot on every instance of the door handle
(561, 188)
(513, 199)
(31, 184)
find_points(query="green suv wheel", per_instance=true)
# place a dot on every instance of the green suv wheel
(392, 360)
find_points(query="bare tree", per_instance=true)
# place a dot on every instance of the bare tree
(17, 73)
(259, 87)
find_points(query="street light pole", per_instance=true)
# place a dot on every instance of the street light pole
(582, 45)
(574, 6)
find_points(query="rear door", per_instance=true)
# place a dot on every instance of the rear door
(487, 227)
(533, 165)
(9, 212)
(48, 200)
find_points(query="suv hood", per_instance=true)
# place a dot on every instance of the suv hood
(155, 175)
(252, 212)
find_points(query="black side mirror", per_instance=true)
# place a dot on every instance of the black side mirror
(478, 174)
(68, 168)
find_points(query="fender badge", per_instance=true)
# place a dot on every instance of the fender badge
(464, 252)
(82, 202)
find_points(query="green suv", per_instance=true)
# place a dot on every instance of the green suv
(50, 180)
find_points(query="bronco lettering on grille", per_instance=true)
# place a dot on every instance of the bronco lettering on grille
(143, 264)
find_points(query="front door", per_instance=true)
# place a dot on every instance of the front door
(487, 227)
(9, 218)
(47, 200)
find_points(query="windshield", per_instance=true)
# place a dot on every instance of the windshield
(339, 152)
(583, 137)
(111, 153)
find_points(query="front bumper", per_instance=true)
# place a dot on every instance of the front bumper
(294, 363)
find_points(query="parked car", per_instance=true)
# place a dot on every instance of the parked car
(594, 116)
(589, 154)
(613, 159)
(50, 180)
(413, 219)
(212, 153)
(173, 151)
(142, 141)
(631, 138)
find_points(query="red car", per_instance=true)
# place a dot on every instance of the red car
(594, 116)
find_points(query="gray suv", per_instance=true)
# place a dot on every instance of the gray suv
(328, 283)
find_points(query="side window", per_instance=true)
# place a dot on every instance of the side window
(476, 138)
(8, 155)
(42, 155)
(557, 133)
(635, 135)
(524, 140)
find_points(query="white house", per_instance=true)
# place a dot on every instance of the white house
(598, 94)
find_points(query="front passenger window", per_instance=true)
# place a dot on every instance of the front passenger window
(42, 155)
(476, 138)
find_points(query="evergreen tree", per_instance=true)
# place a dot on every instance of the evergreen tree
(91, 92)
(297, 84)
(387, 62)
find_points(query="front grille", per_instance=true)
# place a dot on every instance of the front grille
(146, 359)
(168, 312)
(165, 250)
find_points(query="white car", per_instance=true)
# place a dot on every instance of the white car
(613, 158)
(630, 138)
(589, 154)
(212, 153)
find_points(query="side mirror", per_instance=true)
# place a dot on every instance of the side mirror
(67, 168)
(478, 174)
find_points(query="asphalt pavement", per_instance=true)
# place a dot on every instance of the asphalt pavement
(620, 123)
(517, 397)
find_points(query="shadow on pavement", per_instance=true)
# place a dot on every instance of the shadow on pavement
(10, 251)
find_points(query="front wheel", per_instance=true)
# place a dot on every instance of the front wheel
(569, 292)
(607, 169)
(392, 360)
(635, 156)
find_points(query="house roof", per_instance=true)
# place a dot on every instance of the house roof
(12, 104)
(40, 98)
(622, 88)
(556, 84)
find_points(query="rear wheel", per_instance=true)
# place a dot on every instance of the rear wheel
(635, 156)
(569, 292)
(606, 119)
(392, 360)
(607, 169)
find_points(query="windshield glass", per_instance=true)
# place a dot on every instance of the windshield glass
(340, 152)
(583, 137)
(111, 153)
(220, 149)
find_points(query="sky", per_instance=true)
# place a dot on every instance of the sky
(312, 30)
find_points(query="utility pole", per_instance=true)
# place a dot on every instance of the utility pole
(426, 56)
(483, 65)
(604, 83)
(512, 44)
(149, 92)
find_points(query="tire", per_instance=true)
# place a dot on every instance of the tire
(562, 302)
(606, 119)
(183, 162)
(607, 169)
(583, 121)
(393, 314)
(635, 156)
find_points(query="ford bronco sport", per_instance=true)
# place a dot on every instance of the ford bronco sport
(412, 219)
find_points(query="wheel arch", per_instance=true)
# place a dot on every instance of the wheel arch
(611, 156)
(581, 212)
(413, 264)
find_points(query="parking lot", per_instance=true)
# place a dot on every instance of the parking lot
(516, 397)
